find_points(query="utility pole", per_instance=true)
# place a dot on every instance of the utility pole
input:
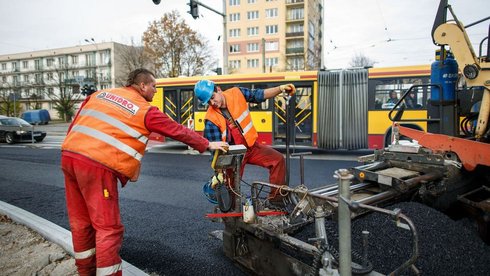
(194, 11)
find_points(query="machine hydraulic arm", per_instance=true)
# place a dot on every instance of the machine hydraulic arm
(476, 70)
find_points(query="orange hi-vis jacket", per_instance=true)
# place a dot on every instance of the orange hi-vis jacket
(238, 108)
(110, 129)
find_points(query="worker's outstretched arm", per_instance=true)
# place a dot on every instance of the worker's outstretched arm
(286, 89)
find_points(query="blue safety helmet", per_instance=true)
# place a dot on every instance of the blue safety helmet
(204, 90)
(209, 192)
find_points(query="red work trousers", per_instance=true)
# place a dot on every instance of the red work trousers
(92, 201)
(267, 157)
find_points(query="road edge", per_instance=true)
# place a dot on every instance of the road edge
(53, 232)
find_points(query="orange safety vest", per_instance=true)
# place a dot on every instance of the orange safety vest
(238, 108)
(110, 129)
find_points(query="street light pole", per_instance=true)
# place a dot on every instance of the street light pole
(225, 36)
(92, 41)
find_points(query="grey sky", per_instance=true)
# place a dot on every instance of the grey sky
(351, 26)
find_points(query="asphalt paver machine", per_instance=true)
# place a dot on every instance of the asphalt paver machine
(446, 168)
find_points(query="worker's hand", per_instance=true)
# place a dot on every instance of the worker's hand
(223, 146)
(217, 178)
(288, 88)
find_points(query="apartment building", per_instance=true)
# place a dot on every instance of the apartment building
(33, 80)
(274, 35)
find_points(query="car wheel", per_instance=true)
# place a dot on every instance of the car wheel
(9, 138)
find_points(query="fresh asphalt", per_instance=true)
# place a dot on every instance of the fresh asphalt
(62, 236)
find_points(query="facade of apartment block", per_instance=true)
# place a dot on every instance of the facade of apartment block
(274, 35)
(32, 80)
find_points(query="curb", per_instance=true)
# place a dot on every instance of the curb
(53, 232)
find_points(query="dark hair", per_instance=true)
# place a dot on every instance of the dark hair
(139, 75)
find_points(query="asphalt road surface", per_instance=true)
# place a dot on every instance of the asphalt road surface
(163, 213)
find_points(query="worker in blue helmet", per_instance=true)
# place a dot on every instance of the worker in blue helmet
(228, 119)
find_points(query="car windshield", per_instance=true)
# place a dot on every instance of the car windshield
(14, 122)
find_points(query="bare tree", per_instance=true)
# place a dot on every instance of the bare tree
(132, 57)
(360, 60)
(175, 48)
(69, 93)
(8, 105)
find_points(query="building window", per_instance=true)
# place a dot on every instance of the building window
(38, 64)
(49, 76)
(296, 14)
(272, 46)
(4, 78)
(271, 61)
(74, 59)
(14, 66)
(252, 47)
(26, 78)
(270, 13)
(50, 91)
(296, 63)
(235, 64)
(38, 78)
(90, 59)
(253, 63)
(25, 64)
(235, 48)
(296, 28)
(61, 61)
(252, 1)
(234, 17)
(4, 66)
(49, 62)
(252, 15)
(253, 31)
(234, 32)
(234, 2)
(271, 29)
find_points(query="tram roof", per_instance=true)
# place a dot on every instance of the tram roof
(241, 78)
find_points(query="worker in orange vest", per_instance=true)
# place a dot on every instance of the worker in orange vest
(105, 143)
(228, 119)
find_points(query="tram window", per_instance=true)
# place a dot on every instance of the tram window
(388, 92)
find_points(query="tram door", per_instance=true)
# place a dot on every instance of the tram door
(300, 117)
(178, 105)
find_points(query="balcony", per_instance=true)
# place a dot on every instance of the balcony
(295, 34)
(295, 51)
(291, 19)
(294, 2)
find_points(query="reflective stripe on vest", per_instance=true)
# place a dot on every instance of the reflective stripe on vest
(116, 123)
(85, 254)
(110, 129)
(109, 140)
(109, 270)
(243, 117)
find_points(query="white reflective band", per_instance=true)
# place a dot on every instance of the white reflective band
(109, 140)
(116, 123)
(243, 116)
(247, 128)
(85, 254)
(223, 135)
(108, 270)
